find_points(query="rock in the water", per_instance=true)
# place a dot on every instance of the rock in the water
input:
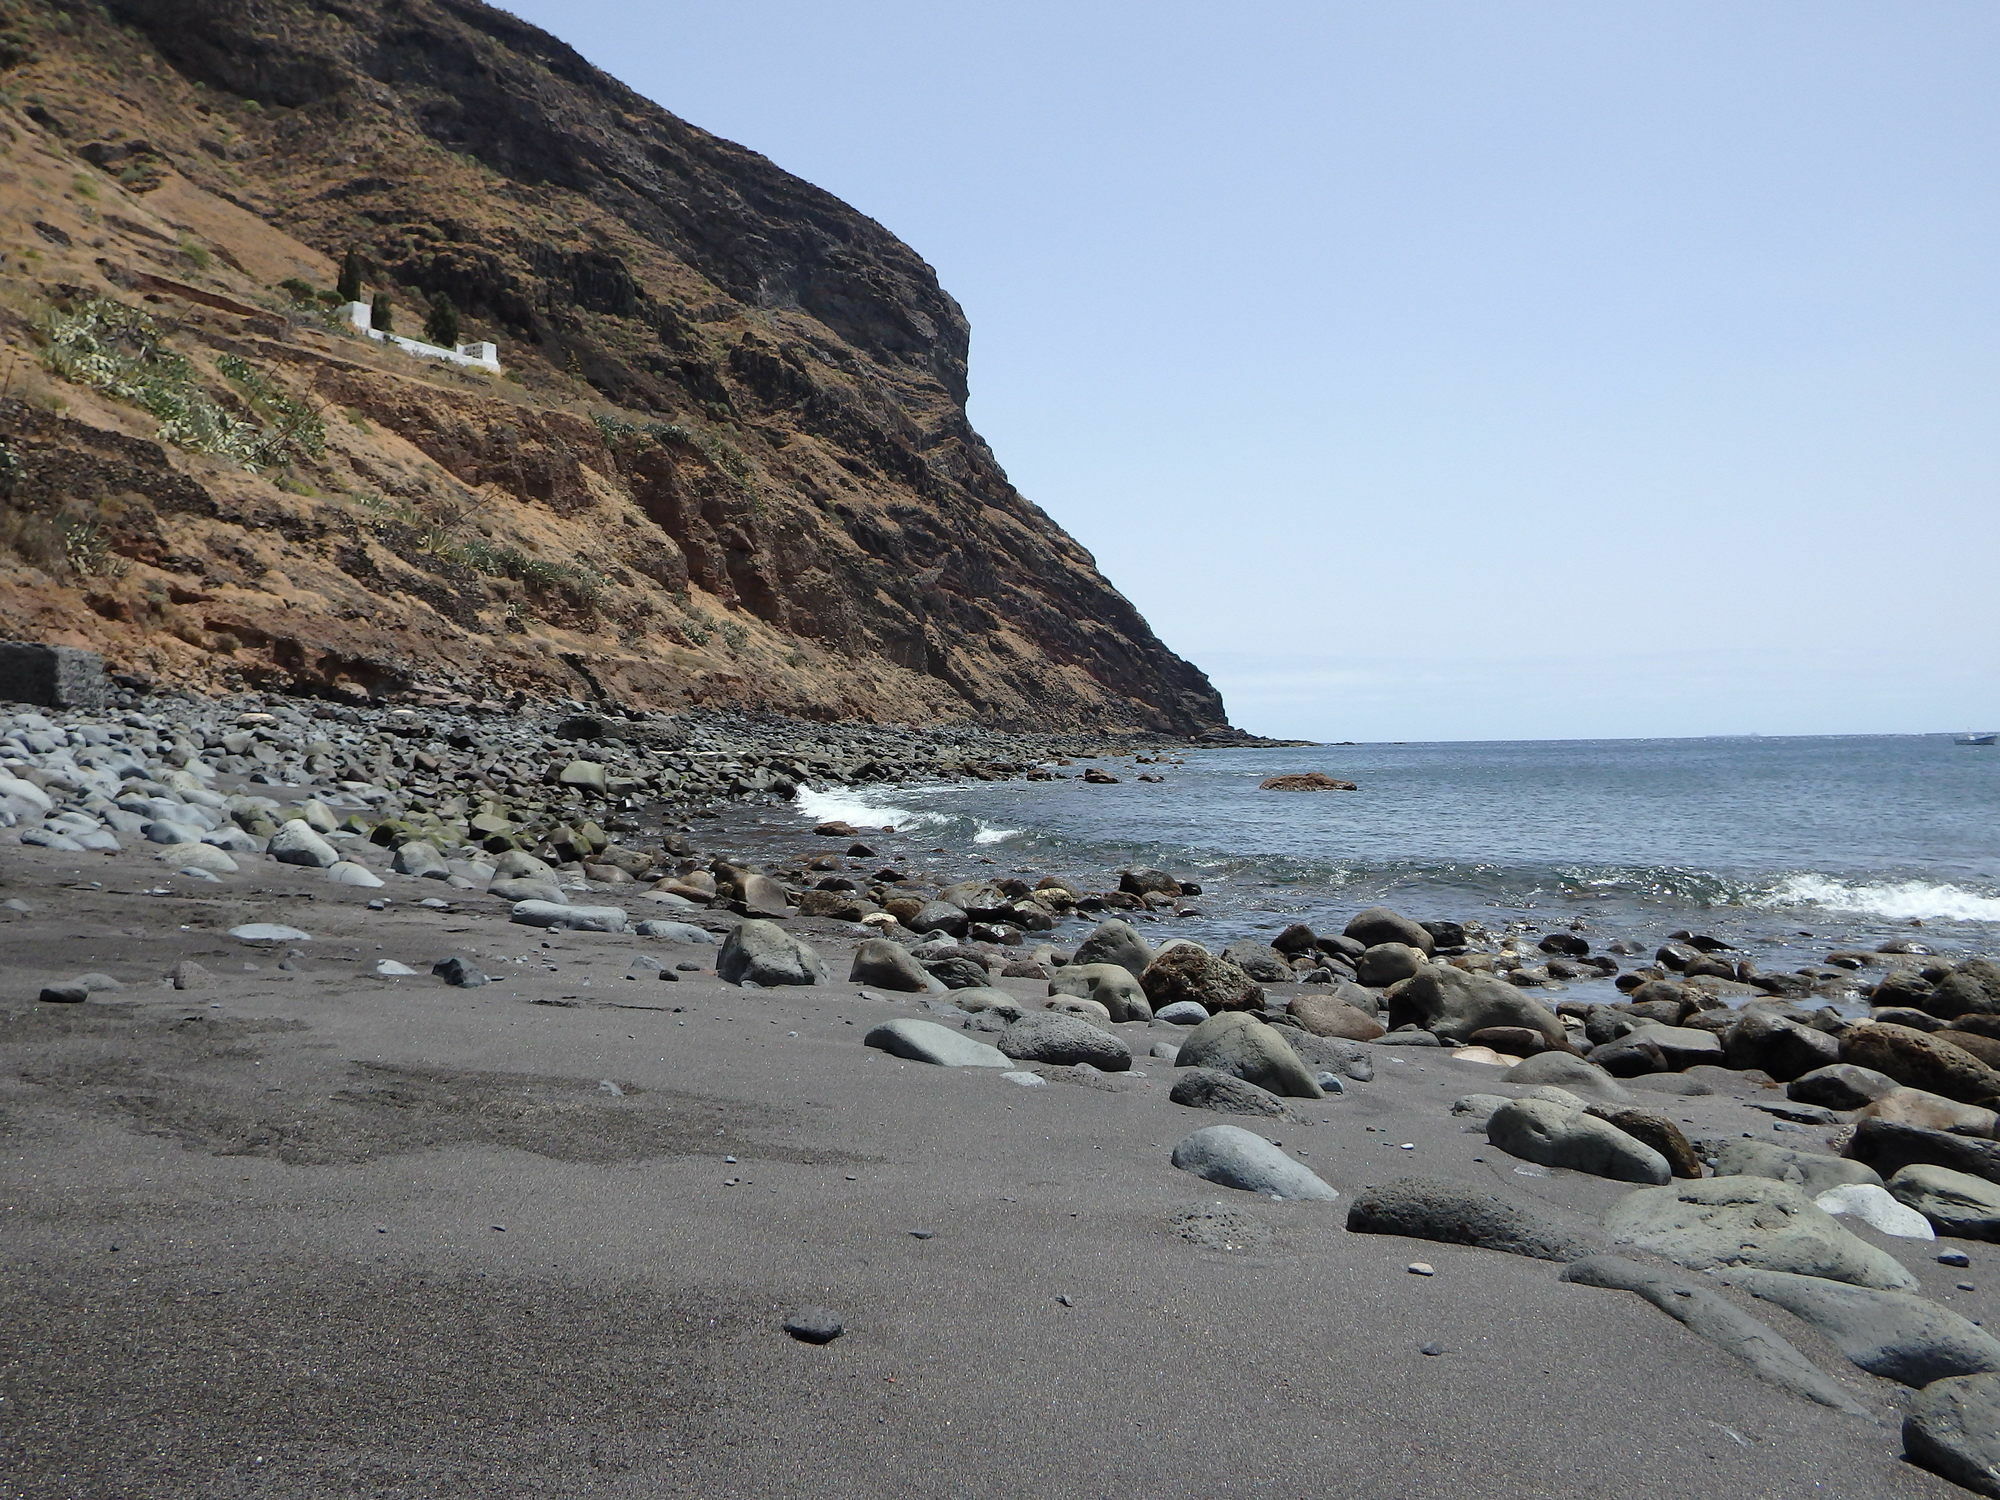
(1204, 1088)
(1063, 1041)
(295, 843)
(764, 953)
(1955, 1203)
(1388, 963)
(928, 1042)
(1260, 961)
(1921, 1061)
(268, 934)
(1185, 972)
(1556, 1135)
(1720, 1321)
(1454, 1004)
(1115, 942)
(1752, 1222)
(1246, 1048)
(1810, 1170)
(1454, 1213)
(570, 918)
(1874, 1207)
(1953, 1429)
(1305, 781)
(1378, 924)
(1238, 1158)
(1892, 1334)
(889, 966)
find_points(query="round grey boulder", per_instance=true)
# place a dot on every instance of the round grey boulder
(1953, 1429)
(568, 918)
(1204, 1088)
(928, 1042)
(889, 966)
(1115, 942)
(1182, 1013)
(1063, 1041)
(1244, 1047)
(1388, 963)
(1892, 1334)
(1963, 1206)
(295, 843)
(764, 953)
(1564, 1071)
(1233, 1157)
(1110, 985)
(1559, 1135)
(1378, 924)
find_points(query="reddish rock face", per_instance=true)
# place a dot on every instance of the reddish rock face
(1306, 781)
(730, 460)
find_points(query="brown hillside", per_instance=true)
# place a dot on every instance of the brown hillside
(729, 460)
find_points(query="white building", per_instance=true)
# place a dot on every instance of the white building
(479, 356)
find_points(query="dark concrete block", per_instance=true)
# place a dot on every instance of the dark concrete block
(52, 676)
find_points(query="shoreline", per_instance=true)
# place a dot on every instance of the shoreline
(378, 1232)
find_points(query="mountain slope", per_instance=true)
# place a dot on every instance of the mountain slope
(729, 461)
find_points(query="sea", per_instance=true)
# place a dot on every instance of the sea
(1792, 846)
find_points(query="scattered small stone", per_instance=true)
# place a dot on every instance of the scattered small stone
(268, 934)
(814, 1325)
(460, 973)
(1421, 1268)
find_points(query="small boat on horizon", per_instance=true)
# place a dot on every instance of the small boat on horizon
(1978, 739)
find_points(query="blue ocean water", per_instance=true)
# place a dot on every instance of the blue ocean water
(1848, 838)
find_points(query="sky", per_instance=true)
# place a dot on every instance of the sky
(1450, 369)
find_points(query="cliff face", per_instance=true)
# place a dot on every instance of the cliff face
(729, 462)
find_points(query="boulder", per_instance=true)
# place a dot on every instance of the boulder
(1260, 961)
(1237, 1158)
(1453, 1213)
(760, 896)
(985, 1000)
(1347, 1011)
(938, 916)
(1895, 1335)
(1908, 1106)
(1180, 1013)
(1809, 1170)
(420, 860)
(1145, 882)
(764, 953)
(1889, 1147)
(1840, 1086)
(1115, 942)
(1720, 1321)
(1186, 972)
(1921, 1061)
(928, 1042)
(1973, 988)
(1874, 1207)
(888, 966)
(527, 888)
(1564, 1070)
(1378, 924)
(1452, 1003)
(675, 932)
(1305, 781)
(1243, 1046)
(1110, 985)
(570, 918)
(1776, 1045)
(1063, 1041)
(295, 843)
(1752, 1222)
(1953, 1429)
(1955, 1203)
(1204, 1088)
(1651, 1128)
(1330, 1054)
(1388, 963)
(1557, 1135)
(1681, 1046)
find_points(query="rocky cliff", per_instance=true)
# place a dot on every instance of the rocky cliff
(729, 460)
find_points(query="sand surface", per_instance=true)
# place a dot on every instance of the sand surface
(310, 1232)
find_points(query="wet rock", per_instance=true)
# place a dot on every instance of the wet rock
(1388, 963)
(764, 953)
(1453, 1213)
(1246, 1048)
(1305, 781)
(1557, 1135)
(1115, 942)
(1378, 924)
(1204, 1088)
(1752, 1222)
(1233, 1157)
(928, 1042)
(1453, 1004)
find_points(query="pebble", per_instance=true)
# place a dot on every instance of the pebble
(814, 1325)
(1954, 1258)
(1421, 1268)
(267, 934)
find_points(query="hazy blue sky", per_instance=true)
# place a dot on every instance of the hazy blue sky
(1450, 369)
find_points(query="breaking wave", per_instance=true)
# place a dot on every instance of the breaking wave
(1897, 900)
(843, 806)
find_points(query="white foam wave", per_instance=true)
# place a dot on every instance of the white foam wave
(841, 806)
(988, 834)
(1899, 900)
